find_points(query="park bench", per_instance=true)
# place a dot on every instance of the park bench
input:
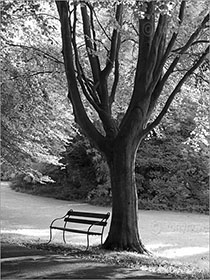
(94, 224)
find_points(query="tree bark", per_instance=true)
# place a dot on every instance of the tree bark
(124, 233)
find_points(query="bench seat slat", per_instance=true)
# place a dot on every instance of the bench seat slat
(77, 231)
(88, 222)
(88, 215)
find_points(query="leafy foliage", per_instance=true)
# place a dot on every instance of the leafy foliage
(34, 127)
(171, 164)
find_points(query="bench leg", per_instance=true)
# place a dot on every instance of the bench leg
(50, 237)
(87, 242)
(102, 236)
(64, 239)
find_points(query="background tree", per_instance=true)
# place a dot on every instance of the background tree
(157, 60)
(33, 129)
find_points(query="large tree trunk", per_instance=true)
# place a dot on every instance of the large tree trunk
(123, 234)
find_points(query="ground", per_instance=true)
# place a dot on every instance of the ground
(175, 239)
(20, 262)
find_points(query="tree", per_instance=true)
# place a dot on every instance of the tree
(33, 130)
(160, 53)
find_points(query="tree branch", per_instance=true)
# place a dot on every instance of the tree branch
(74, 95)
(177, 58)
(90, 45)
(175, 91)
(114, 43)
(146, 33)
(171, 43)
(34, 74)
(46, 55)
(95, 92)
(157, 45)
(92, 27)
(88, 90)
(116, 77)
(197, 76)
(101, 26)
(194, 43)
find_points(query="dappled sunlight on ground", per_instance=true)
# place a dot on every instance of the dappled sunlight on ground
(28, 232)
(159, 245)
(43, 236)
(182, 252)
(198, 256)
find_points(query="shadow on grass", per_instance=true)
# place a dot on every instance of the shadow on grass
(60, 267)
(88, 268)
(56, 261)
(102, 272)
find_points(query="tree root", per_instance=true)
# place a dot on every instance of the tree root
(138, 248)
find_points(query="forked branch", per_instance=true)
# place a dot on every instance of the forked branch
(175, 91)
(80, 114)
(85, 84)
(89, 35)
(182, 51)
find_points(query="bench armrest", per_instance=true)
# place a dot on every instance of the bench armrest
(97, 223)
(61, 218)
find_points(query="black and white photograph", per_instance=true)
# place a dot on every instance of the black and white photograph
(105, 139)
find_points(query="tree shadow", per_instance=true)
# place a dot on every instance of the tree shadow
(102, 272)
(71, 264)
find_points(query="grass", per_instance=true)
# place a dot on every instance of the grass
(133, 260)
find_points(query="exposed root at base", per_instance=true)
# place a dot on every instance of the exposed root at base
(129, 248)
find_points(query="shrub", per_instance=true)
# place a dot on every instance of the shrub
(169, 175)
(85, 168)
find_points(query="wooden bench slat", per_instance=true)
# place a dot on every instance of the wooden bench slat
(88, 214)
(77, 231)
(88, 222)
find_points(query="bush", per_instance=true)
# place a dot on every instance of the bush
(101, 195)
(85, 168)
(171, 174)
(167, 178)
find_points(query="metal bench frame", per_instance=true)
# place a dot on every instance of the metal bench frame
(102, 222)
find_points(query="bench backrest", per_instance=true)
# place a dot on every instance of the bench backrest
(98, 219)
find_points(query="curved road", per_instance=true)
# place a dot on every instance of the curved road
(179, 236)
